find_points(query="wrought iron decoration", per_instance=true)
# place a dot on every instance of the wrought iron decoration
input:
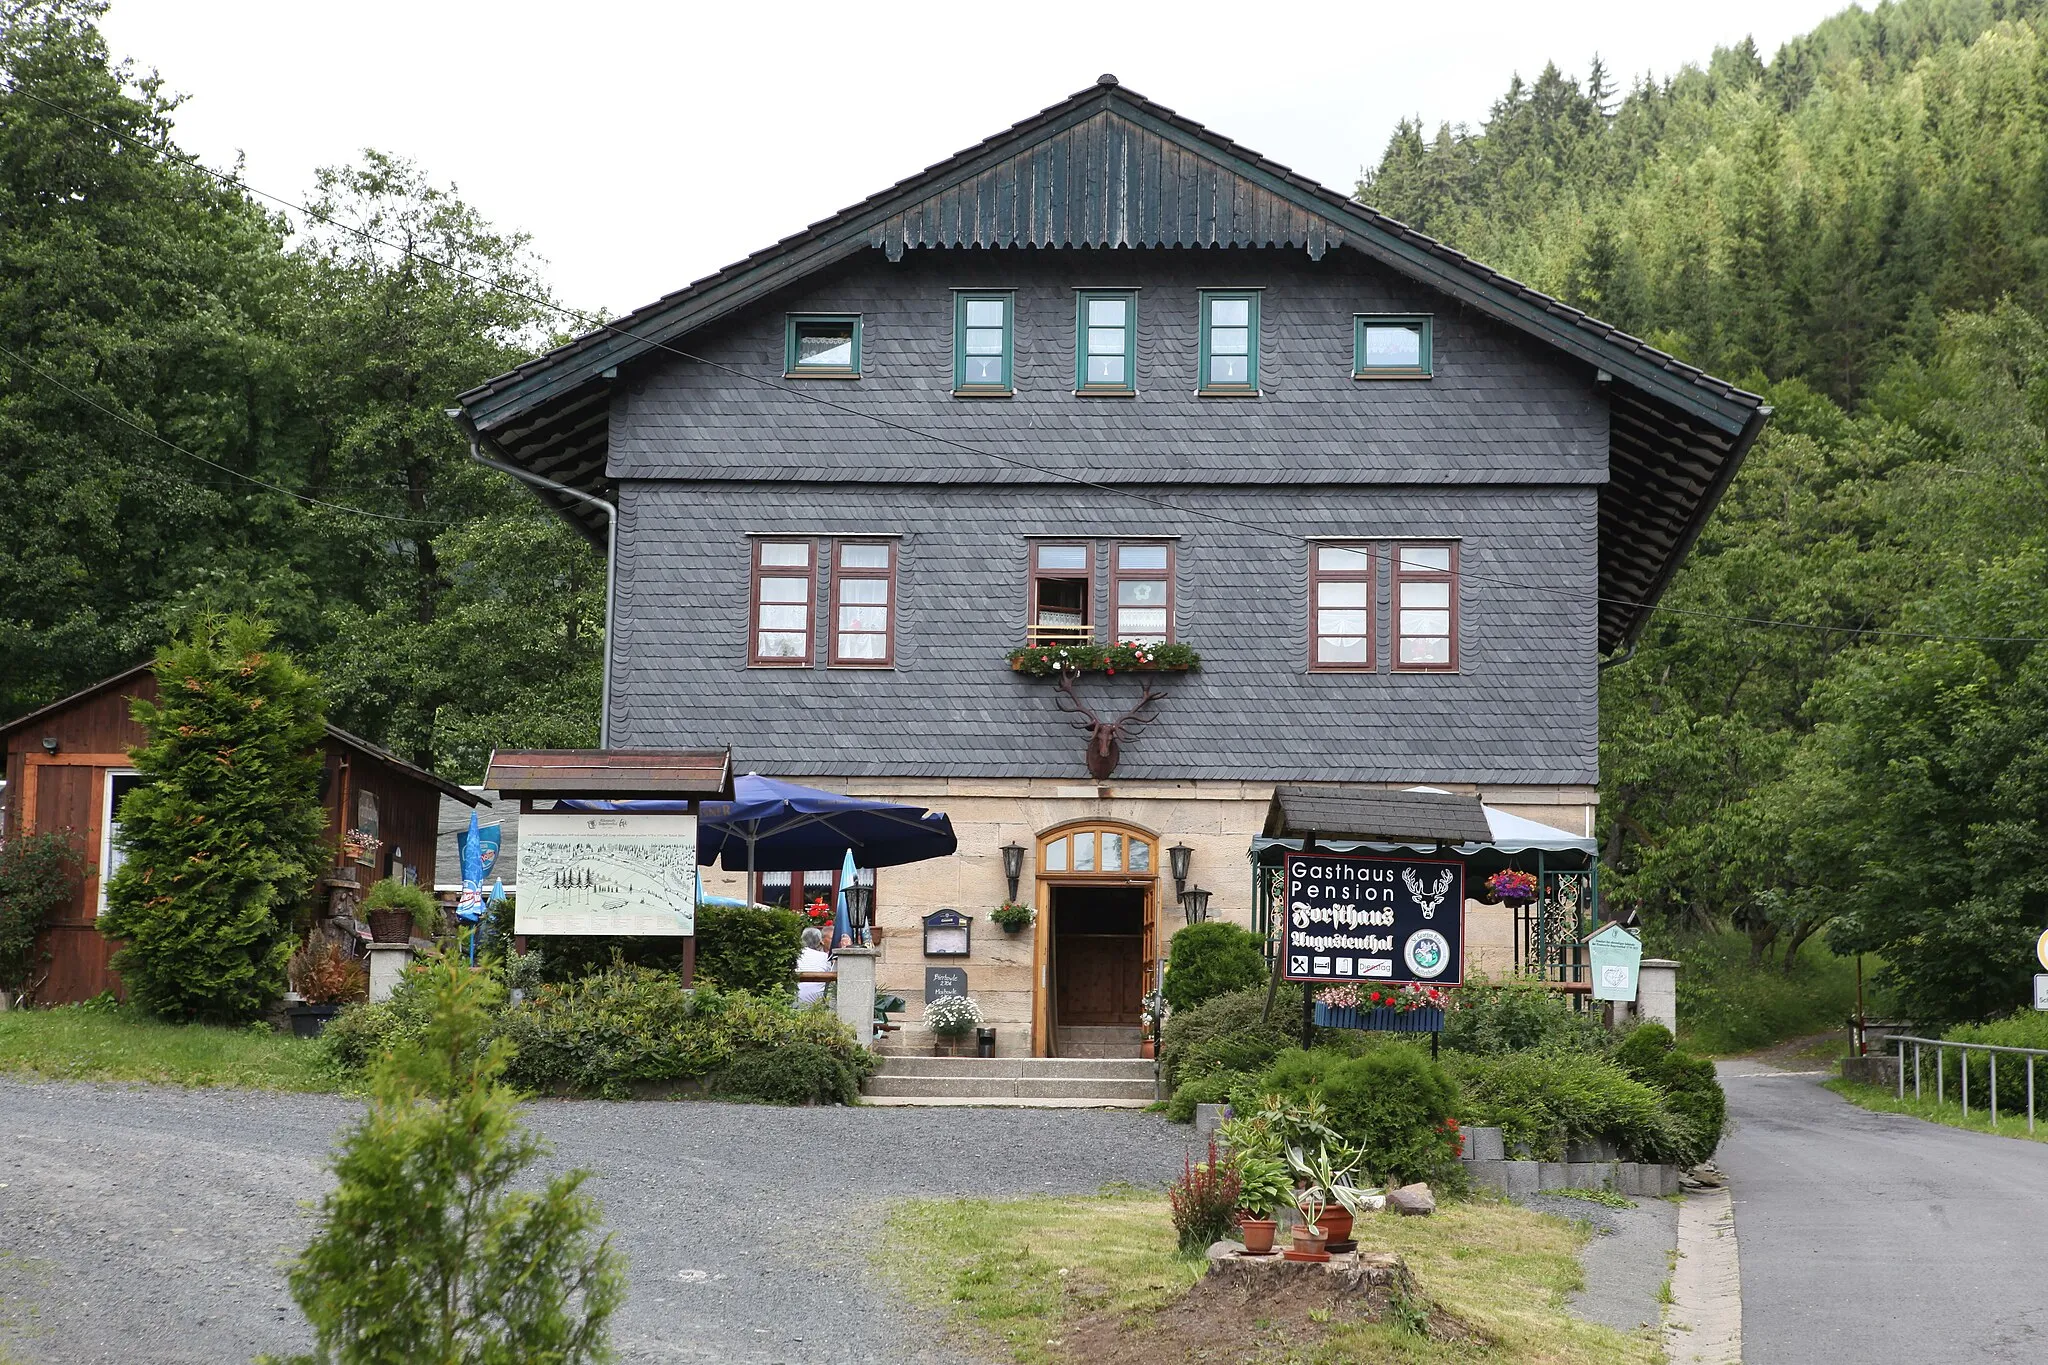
(1106, 738)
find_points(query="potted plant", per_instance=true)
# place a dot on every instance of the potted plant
(949, 1019)
(1263, 1187)
(325, 978)
(1328, 1173)
(1152, 1012)
(1309, 1237)
(1012, 917)
(398, 911)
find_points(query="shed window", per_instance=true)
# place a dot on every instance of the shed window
(1106, 343)
(782, 603)
(1426, 607)
(1141, 593)
(1387, 347)
(1230, 343)
(1062, 594)
(823, 345)
(1340, 592)
(864, 603)
(117, 782)
(982, 343)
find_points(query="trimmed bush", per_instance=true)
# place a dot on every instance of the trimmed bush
(1393, 1102)
(749, 949)
(1543, 1100)
(1517, 1015)
(792, 1073)
(363, 1032)
(1691, 1089)
(1233, 1015)
(1208, 960)
(1211, 1088)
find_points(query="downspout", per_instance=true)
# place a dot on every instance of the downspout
(611, 559)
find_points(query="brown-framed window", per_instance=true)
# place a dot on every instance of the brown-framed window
(863, 603)
(1141, 592)
(778, 889)
(784, 587)
(1426, 607)
(1062, 587)
(1341, 588)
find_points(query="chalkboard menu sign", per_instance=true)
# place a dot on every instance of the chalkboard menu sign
(1354, 917)
(941, 981)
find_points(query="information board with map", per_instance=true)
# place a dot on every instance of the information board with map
(603, 872)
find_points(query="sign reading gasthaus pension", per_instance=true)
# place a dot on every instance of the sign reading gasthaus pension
(597, 872)
(1353, 917)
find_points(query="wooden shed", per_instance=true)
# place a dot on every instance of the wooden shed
(68, 767)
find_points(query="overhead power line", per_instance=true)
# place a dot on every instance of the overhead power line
(591, 322)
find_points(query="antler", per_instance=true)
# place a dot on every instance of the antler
(1146, 697)
(1070, 702)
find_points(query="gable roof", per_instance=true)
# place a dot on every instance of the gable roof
(334, 732)
(1108, 167)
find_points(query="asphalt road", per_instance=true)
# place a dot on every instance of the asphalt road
(153, 1225)
(1868, 1239)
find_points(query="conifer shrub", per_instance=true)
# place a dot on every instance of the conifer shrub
(749, 948)
(1691, 1089)
(1208, 960)
(1235, 1015)
(1392, 1102)
(424, 1249)
(224, 835)
(38, 877)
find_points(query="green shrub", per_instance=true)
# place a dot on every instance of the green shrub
(224, 836)
(1208, 960)
(1204, 1201)
(748, 949)
(38, 877)
(1395, 1104)
(1726, 1005)
(791, 1073)
(425, 1250)
(1691, 1089)
(1210, 1088)
(2027, 1028)
(363, 1032)
(1542, 1100)
(1232, 1015)
(1517, 1015)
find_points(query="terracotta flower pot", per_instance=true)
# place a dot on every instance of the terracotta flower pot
(1258, 1234)
(1147, 1049)
(391, 926)
(1336, 1224)
(1308, 1244)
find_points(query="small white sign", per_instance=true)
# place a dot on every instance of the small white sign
(2041, 990)
(598, 872)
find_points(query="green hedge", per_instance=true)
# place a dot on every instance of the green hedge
(1208, 960)
(750, 948)
(1517, 1015)
(1691, 1089)
(2028, 1028)
(1234, 1016)
(1543, 1100)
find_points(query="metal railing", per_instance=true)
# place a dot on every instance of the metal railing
(1941, 1048)
(1042, 635)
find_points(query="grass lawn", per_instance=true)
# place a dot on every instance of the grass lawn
(2012, 1122)
(1021, 1274)
(100, 1043)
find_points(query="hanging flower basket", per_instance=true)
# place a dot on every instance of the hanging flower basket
(1043, 661)
(1512, 887)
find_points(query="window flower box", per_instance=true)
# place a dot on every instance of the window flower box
(1041, 661)
(1387, 1009)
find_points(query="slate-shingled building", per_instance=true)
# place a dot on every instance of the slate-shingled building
(1110, 376)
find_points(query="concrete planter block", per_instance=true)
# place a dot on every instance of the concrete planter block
(1667, 1179)
(1488, 1175)
(1592, 1175)
(1876, 1070)
(1553, 1175)
(1523, 1177)
(1628, 1176)
(1484, 1144)
(1208, 1117)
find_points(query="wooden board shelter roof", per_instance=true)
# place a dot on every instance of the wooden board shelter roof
(673, 774)
(1107, 167)
(334, 732)
(1375, 815)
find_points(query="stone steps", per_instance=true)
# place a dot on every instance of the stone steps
(1097, 1042)
(1047, 1081)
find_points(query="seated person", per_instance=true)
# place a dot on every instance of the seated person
(813, 958)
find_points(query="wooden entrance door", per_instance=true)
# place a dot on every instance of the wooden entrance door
(1099, 955)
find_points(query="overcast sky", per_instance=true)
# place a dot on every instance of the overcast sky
(646, 144)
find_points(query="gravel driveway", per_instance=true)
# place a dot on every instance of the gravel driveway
(144, 1224)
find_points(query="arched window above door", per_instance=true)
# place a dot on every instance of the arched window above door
(1104, 849)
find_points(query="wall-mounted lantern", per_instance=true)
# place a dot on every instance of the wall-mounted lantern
(946, 934)
(1177, 859)
(1194, 903)
(1013, 865)
(860, 904)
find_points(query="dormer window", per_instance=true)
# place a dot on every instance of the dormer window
(1390, 347)
(1062, 594)
(822, 346)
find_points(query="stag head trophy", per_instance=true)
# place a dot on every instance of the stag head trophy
(1105, 737)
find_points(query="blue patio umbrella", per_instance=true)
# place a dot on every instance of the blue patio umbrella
(470, 907)
(842, 925)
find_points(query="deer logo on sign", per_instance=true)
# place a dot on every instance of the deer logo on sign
(1428, 901)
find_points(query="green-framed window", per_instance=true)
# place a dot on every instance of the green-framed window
(1106, 341)
(822, 345)
(1230, 341)
(984, 341)
(1391, 346)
